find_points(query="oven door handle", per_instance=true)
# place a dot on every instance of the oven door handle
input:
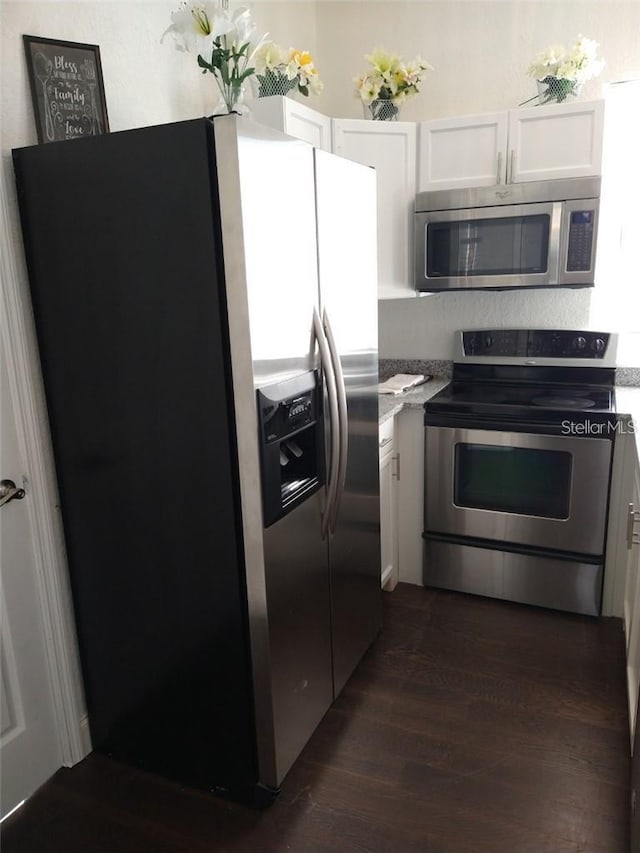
(601, 428)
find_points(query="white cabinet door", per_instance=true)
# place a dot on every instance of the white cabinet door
(555, 141)
(388, 507)
(632, 599)
(532, 144)
(390, 147)
(293, 118)
(462, 152)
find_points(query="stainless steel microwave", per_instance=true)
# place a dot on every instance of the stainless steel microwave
(538, 234)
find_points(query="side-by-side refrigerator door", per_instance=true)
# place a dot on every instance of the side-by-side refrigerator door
(267, 198)
(346, 214)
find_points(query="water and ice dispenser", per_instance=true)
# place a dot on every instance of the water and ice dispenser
(291, 443)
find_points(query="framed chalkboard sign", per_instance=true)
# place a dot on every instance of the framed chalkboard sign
(66, 89)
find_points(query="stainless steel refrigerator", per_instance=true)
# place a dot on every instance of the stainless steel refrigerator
(206, 312)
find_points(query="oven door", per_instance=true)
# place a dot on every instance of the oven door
(543, 491)
(489, 247)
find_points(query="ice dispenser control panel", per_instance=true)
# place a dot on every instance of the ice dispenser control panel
(291, 444)
(285, 416)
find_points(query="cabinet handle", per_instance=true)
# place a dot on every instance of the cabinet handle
(511, 166)
(396, 459)
(499, 170)
(633, 538)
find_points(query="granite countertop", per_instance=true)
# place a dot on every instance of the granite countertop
(391, 404)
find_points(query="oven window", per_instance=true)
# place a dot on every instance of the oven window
(508, 245)
(518, 480)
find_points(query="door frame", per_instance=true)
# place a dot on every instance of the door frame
(54, 606)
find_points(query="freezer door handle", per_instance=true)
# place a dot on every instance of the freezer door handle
(343, 422)
(326, 364)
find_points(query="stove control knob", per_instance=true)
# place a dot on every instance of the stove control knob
(488, 341)
(598, 345)
(579, 343)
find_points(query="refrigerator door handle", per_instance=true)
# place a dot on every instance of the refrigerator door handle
(326, 364)
(343, 421)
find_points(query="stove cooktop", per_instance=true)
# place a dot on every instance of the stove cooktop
(538, 407)
(564, 399)
(528, 377)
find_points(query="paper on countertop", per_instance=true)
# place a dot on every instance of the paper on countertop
(402, 382)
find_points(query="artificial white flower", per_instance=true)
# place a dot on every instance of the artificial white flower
(270, 56)
(191, 25)
(389, 78)
(295, 66)
(222, 39)
(579, 64)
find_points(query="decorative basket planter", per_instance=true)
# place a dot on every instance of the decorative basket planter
(557, 89)
(382, 110)
(270, 84)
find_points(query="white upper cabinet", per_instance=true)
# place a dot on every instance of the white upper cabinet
(533, 144)
(390, 147)
(556, 141)
(467, 151)
(293, 118)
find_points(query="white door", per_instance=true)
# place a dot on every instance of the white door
(29, 745)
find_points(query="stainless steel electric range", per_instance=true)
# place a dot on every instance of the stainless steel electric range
(517, 467)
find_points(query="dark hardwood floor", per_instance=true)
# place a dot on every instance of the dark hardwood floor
(471, 726)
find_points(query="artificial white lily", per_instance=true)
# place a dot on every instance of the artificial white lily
(222, 39)
(191, 25)
(390, 79)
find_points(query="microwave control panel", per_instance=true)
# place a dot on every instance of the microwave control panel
(532, 343)
(580, 242)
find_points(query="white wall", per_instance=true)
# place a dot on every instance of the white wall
(423, 328)
(480, 49)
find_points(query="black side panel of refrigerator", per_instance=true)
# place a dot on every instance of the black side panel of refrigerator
(123, 251)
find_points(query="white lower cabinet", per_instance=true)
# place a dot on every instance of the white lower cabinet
(388, 505)
(410, 442)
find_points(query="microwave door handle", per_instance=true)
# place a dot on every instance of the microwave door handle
(556, 250)
(330, 381)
